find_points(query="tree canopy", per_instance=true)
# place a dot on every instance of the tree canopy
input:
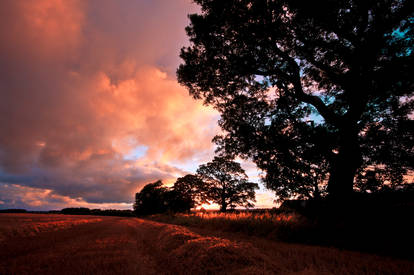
(226, 183)
(151, 199)
(155, 198)
(191, 187)
(312, 91)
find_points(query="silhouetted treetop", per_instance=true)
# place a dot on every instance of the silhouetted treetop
(191, 186)
(151, 199)
(226, 183)
(311, 91)
(155, 198)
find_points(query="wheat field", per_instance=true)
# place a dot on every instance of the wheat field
(60, 244)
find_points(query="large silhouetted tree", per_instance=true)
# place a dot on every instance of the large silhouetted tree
(226, 183)
(312, 91)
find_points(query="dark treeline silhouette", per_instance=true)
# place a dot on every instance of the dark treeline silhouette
(13, 210)
(222, 181)
(319, 94)
(76, 211)
(97, 212)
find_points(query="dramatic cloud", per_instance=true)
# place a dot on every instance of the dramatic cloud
(90, 109)
(89, 106)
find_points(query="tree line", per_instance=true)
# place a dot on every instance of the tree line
(76, 211)
(221, 181)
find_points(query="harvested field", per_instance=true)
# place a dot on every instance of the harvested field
(58, 244)
(24, 225)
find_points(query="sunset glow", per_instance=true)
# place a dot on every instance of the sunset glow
(206, 137)
(90, 108)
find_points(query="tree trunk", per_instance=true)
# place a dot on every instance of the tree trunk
(223, 207)
(345, 164)
(316, 192)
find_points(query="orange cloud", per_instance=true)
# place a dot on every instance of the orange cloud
(154, 111)
(82, 84)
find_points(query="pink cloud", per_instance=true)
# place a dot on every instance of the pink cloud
(84, 83)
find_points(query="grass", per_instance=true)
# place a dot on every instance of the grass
(265, 224)
(386, 233)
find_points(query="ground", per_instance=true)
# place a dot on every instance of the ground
(64, 244)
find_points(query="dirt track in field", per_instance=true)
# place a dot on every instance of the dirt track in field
(58, 244)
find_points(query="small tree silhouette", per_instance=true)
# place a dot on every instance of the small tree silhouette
(225, 183)
(154, 198)
(151, 199)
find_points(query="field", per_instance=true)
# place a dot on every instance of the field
(64, 244)
(386, 232)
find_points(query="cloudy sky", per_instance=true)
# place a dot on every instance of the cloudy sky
(90, 109)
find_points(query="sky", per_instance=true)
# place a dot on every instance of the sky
(90, 108)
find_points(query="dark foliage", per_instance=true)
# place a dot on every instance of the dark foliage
(13, 211)
(178, 202)
(112, 212)
(191, 187)
(96, 212)
(155, 198)
(76, 211)
(311, 91)
(151, 199)
(226, 183)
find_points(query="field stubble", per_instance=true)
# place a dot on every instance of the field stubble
(114, 245)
